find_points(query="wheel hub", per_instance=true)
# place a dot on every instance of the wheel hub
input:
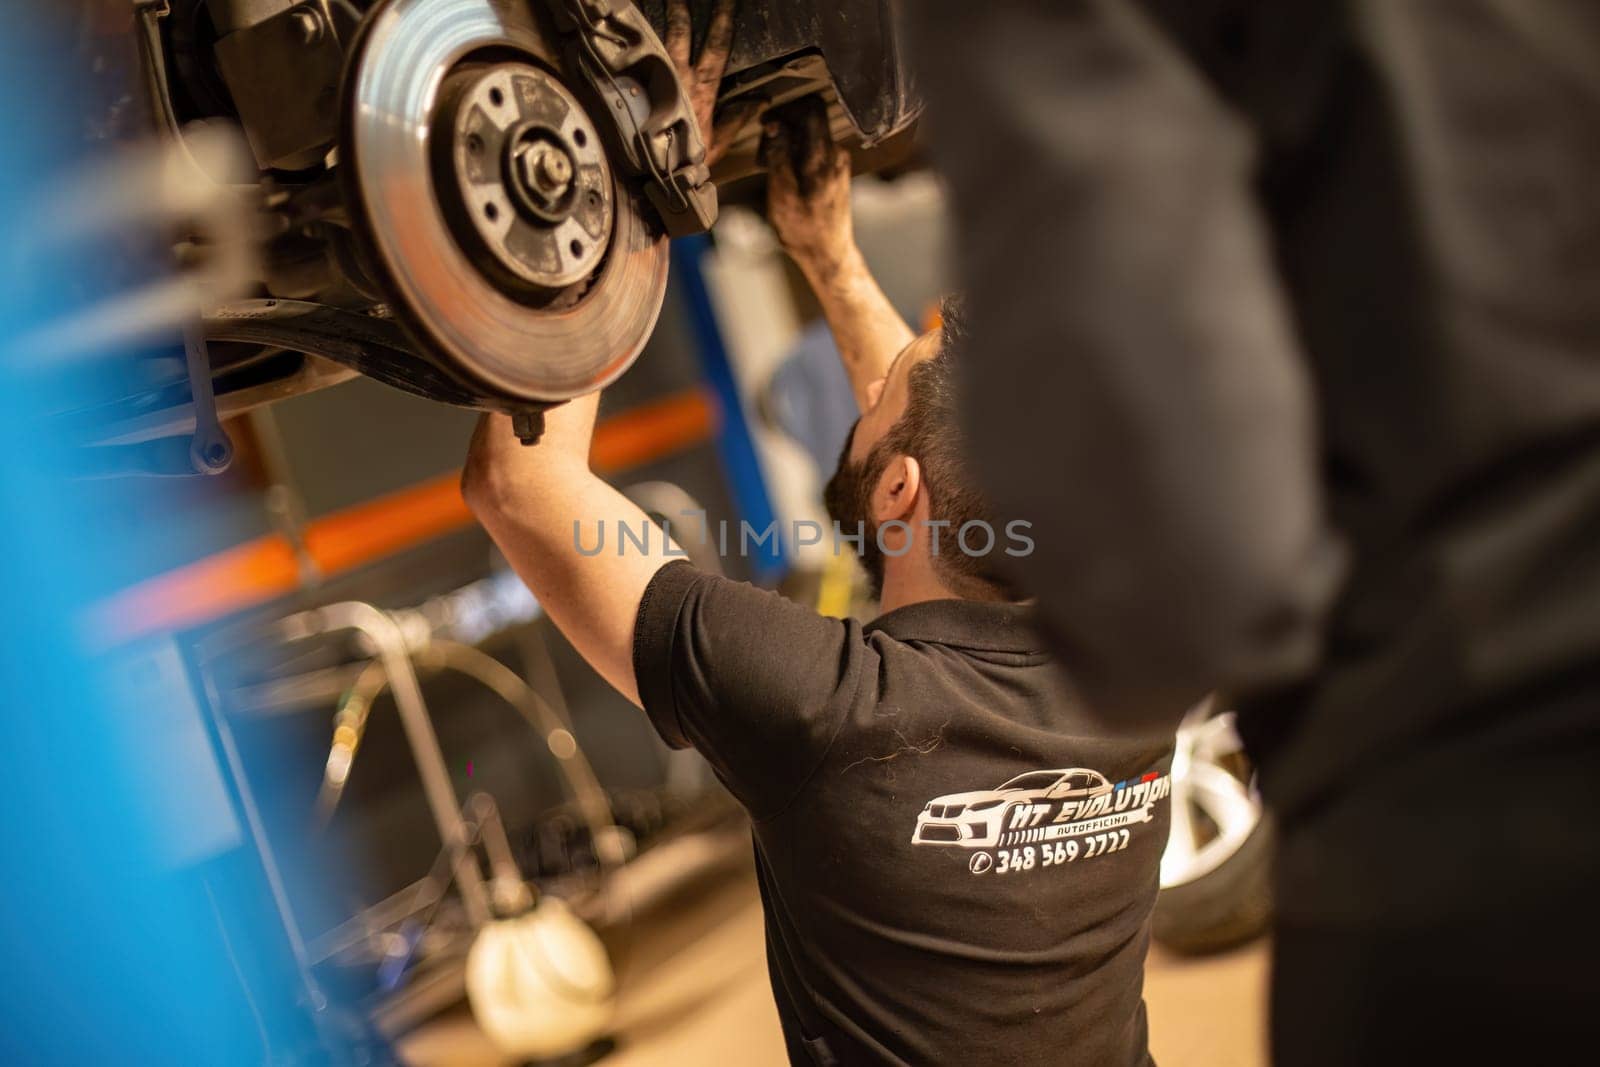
(526, 184)
(542, 170)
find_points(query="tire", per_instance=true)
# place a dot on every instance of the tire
(1222, 909)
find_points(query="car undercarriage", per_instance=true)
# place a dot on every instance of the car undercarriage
(469, 200)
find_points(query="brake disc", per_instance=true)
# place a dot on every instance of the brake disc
(484, 200)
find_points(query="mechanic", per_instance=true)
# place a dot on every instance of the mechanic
(1307, 301)
(956, 865)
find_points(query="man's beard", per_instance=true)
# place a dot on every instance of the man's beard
(848, 498)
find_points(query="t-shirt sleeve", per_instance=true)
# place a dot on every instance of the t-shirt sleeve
(755, 682)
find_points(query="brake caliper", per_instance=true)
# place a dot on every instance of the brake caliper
(612, 48)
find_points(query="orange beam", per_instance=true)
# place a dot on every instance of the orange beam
(651, 431)
(263, 569)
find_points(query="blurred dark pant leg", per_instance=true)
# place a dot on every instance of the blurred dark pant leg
(1445, 912)
(1345, 998)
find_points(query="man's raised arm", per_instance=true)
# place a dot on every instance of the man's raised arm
(808, 203)
(541, 503)
(537, 503)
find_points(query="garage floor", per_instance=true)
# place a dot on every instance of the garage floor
(694, 991)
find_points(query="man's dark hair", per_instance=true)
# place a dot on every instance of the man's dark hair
(929, 431)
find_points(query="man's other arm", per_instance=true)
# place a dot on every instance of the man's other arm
(808, 204)
(1134, 388)
(536, 502)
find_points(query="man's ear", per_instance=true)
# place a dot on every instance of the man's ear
(895, 495)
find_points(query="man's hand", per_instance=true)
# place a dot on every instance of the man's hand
(702, 79)
(808, 204)
(808, 187)
(497, 461)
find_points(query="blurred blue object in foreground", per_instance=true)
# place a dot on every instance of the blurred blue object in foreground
(131, 913)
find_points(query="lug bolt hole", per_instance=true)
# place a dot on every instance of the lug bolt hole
(474, 143)
(580, 138)
(492, 211)
(576, 247)
(496, 97)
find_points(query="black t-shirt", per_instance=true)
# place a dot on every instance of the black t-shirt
(956, 866)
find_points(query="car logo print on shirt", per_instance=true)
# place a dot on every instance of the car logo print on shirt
(1042, 818)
